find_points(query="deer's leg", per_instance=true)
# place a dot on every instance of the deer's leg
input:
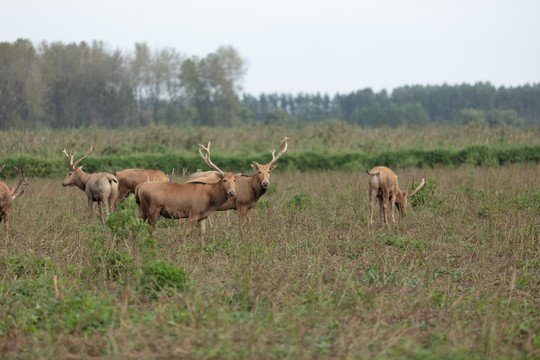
(4, 214)
(107, 203)
(190, 226)
(242, 215)
(153, 215)
(249, 215)
(142, 214)
(100, 211)
(202, 229)
(180, 223)
(91, 206)
(381, 213)
(392, 202)
(372, 196)
(384, 207)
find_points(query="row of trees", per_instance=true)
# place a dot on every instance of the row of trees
(481, 103)
(71, 85)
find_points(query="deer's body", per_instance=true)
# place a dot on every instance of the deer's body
(7, 196)
(5, 203)
(383, 184)
(128, 180)
(194, 201)
(99, 187)
(249, 189)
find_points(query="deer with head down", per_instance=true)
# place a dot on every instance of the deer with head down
(100, 187)
(249, 189)
(194, 201)
(129, 179)
(7, 196)
(383, 184)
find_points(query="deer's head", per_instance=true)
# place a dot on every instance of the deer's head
(402, 199)
(263, 171)
(75, 171)
(227, 180)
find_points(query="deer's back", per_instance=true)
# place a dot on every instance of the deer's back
(130, 178)
(383, 178)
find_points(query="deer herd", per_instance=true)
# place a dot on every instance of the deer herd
(202, 193)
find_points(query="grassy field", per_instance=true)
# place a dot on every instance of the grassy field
(458, 278)
(336, 137)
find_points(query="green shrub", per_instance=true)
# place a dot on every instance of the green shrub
(161, 276)
(478, 155)
(124, 223)
(299, 202)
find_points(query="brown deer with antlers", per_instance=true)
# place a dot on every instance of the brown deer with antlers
(100, 187)
(7, 196)
(194, 201)
(129, 179)
(383, 184)
(249, 189)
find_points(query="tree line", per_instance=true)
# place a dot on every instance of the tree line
(59, 85)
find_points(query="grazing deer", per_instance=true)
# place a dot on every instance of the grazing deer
(194, 201)
(383, 184)
(7, 196)
(128, 180)
(100, 187)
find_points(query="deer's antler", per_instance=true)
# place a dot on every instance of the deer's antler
(413, 192)
(70, 156)
(282, 149)
(207, 158)
(15, 192)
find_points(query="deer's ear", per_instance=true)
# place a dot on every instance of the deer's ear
(272, 167)
(255, 166)
(236, 176)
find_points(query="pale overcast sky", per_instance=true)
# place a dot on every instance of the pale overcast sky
(310, 45)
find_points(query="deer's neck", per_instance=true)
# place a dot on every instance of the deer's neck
(218, 195)
(400, 196)
(82, 179)
(257, 187)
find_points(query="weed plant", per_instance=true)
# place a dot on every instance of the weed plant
(457, 278)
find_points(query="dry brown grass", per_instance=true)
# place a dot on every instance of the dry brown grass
(457, 278)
